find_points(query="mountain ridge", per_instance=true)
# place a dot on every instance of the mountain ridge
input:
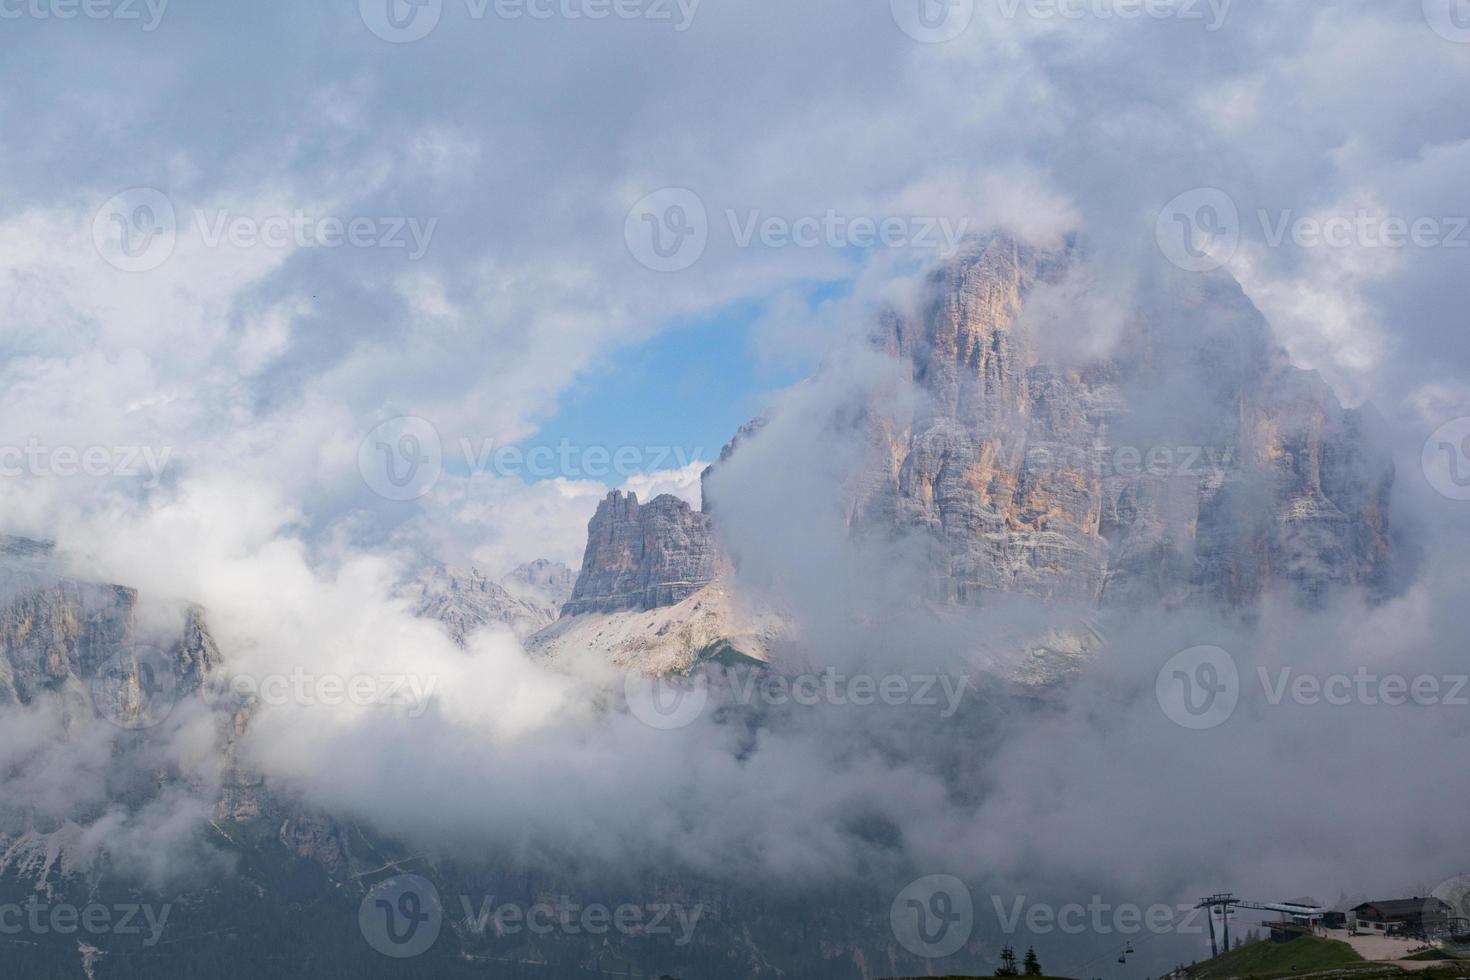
(1192, 465)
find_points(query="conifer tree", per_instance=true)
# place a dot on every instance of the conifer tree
(1007, 966)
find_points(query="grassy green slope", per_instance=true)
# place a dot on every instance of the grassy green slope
(1267, 959)
(1310, 956)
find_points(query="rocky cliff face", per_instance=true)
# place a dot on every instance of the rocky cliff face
(465, 598)
(708, 624)
(102, 651)
(642, 556)
(1195, 462)
(547, 581)
(93, 643)
(742, 435)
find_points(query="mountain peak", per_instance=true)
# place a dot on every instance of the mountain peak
(641, 556)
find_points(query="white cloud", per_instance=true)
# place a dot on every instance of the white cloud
(262, 369)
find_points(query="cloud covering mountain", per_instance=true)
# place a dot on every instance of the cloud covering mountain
(232, 392)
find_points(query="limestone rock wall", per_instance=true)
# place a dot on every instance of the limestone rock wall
(642, 556)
